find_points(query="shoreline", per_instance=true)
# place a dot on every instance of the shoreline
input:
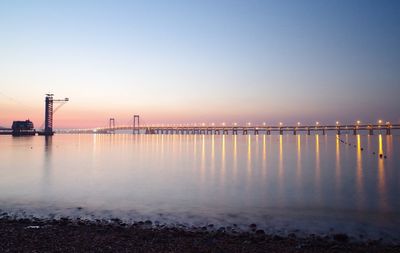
(76, 235)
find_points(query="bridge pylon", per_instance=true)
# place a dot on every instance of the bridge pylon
(112, 126)
(136, 129)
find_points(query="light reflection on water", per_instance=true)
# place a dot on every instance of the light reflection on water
(279, 182)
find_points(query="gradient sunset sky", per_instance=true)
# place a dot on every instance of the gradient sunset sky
(200, 61)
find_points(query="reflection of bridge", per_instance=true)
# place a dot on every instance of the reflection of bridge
(235, 129)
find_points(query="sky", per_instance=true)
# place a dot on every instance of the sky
(200, 61)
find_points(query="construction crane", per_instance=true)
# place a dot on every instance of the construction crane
(49, 111)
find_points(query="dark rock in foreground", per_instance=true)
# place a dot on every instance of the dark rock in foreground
(66, 235)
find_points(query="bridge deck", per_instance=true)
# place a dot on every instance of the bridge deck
(239, 129)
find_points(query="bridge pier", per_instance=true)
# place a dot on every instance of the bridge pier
(234, 131)
(244, 131)
(308, 131)
(255, 131)
(280, 131)
(225, 131)
(338, 131)
(371, 131)
(323, 131)
(294, 131)
(355, 131)
(216, 131)
(268, 132)
(388, 132)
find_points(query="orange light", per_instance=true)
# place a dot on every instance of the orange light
(380, 121)
(358, 122)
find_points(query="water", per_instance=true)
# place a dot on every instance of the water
(302, 184)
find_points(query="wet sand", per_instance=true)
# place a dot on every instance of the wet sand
(65, 235)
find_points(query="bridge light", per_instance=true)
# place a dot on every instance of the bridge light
(249, 123)
(379, 121)
(212, 124)
(387, 123)
(203, 124)
(298, 123)
(223, 123)
(264, 123)
(280, 123)
(235, 124)
(337, 123)
(317, 123)
(358, 122)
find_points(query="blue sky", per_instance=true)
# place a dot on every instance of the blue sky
(201, 61)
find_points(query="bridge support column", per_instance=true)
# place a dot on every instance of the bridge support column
(244, 131)
(338, 131)
(388, 132)
(355, 131)
(256, 132)
(308, 131)
(371, 131)
(234, 131)
(294, 132)
(268, 132)
(280, 131)
(323, 131)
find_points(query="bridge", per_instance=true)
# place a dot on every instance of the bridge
(201, 129)
(239, 129)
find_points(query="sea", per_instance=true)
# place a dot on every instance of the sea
(301, 184)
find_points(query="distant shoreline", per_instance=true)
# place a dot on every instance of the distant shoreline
(69, 235)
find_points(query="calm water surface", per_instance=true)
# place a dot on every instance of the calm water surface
(303, 184)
